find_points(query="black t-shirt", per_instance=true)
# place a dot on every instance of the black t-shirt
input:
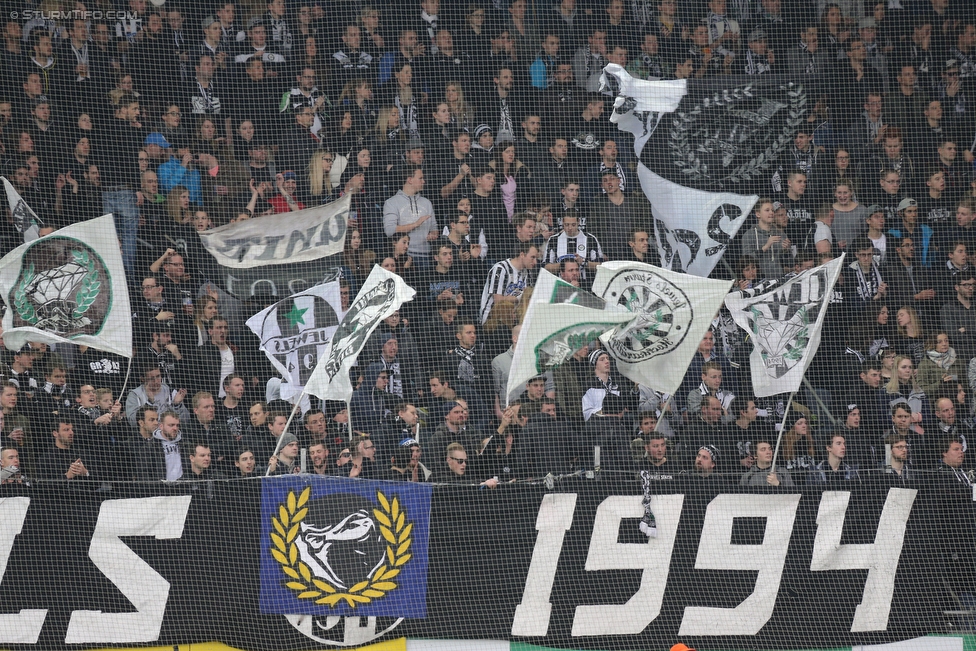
(236, 419)
(937, 213)
(799, 212)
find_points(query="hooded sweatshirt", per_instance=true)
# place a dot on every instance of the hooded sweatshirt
(402, 209)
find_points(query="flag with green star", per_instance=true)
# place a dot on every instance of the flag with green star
(296, 331)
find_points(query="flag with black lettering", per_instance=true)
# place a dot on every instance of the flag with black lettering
(671, 313)
(381, 295)
(784, 318)
(295, 333)
(704, 148)
(26, 220)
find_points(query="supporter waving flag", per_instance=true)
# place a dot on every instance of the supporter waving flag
(704, 146)
(784, 317)
(68, 287)
(296, 331)
(560, 320)
(382, 294)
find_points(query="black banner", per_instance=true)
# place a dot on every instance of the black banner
(729, 568)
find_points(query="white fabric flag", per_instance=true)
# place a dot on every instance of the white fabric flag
(381, 295)
(26, 220)
(560, 320)
(289, 237)
(295, 333)
(68, 287)
(784, 317)
(673, 312)
(693, 227)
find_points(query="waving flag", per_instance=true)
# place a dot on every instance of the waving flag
(26, 220)
(560, 320)
(704, 147)
(784, 317)
(382, 294)
(672, 312)
(68, 287)
(295, 333)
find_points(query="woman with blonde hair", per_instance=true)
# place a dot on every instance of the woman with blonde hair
(389, 138)
(462, 113)
(940, 372)
(402, 97)
(910, 340)
(903, 387)
(178, 205)
(205, 309)
(320, 178)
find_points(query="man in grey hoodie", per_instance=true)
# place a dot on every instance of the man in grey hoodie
(163, 459)
(408, 212)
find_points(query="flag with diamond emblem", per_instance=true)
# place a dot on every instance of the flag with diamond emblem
(785, 318)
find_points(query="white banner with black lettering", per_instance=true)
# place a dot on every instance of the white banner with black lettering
(784, 318)
(285, 238)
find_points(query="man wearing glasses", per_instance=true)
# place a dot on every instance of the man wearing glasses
(457, 468)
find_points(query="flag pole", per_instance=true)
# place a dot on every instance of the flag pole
(125, 383)
(295, 407)
(782, 426)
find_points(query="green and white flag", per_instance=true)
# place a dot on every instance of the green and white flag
(68, 287)
(26, 220)
(381, 295)
(560, 320)
(784, 317)
(673, 312)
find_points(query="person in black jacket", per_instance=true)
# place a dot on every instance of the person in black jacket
(65, 460)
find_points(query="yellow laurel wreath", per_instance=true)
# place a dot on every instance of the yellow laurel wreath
(393, 526)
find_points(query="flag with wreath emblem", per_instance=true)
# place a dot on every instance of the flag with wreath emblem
(68, 287)
(342, 548)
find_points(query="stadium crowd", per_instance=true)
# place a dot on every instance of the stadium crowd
(475, 144)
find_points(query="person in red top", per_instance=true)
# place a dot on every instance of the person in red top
(285, 200)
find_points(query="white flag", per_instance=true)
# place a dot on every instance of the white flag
(68, 287)
(560, 320)
(784, 317)
(382, 294)
(289, 237)
(704, 147)
(673, 312)
(26, 220)
(692, 228)
(295, 333)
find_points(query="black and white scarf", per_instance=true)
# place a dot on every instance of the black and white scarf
(867, 286)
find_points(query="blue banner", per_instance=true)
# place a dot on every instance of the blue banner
(344, 547)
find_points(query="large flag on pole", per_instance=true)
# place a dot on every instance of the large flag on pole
(784, 317)
(295, 333)
(68, 287)
(560, 320)
(26, 220)
(704, 148)
(673, 311)
(381, 295)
